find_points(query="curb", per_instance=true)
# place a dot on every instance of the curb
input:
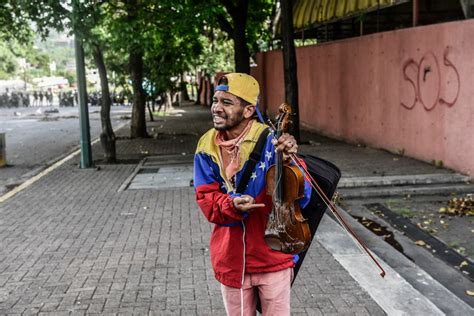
(398, 180)
(36, 174)
(387, 191)
(410, 291)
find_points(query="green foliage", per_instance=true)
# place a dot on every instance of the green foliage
(13, 22)
(258, 24)
(175, 36)
(217, 54)
(68, 74)
(258, 33)
(11, 50)
(167, 32)
(8, 64)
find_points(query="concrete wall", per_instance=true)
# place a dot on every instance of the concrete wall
(410, 91)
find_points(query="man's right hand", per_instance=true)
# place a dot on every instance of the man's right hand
(245, 203)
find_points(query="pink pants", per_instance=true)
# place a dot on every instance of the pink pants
(273, 288)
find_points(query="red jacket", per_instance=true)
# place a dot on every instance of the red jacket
(237, 239)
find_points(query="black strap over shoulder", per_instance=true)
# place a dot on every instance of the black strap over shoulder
(253, 159)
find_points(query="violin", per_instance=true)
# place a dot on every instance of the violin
(287, 230)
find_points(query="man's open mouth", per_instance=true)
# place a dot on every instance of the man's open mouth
(218, 120)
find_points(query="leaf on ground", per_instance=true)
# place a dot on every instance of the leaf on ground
(464, 263)
(420, 243)
(470, 293)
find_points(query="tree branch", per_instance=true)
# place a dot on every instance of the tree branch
(230, 7)
(225, 24)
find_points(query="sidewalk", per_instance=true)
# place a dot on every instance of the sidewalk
(72, 243)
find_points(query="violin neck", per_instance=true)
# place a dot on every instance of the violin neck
(279, 179)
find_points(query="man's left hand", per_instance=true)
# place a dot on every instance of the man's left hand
(286, 143)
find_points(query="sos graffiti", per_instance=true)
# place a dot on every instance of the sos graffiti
(425, 78)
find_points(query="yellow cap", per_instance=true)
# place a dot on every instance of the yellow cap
(242, 85)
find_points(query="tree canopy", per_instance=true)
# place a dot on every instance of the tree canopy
(147, 43)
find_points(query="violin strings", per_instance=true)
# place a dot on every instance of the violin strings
(277, 214)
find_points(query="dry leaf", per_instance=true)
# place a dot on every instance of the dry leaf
(464, 263)
(420, 243)
(470, 293)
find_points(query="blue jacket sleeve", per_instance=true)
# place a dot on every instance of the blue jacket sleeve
(216, 205)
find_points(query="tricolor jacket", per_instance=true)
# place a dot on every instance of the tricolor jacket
(237, 240)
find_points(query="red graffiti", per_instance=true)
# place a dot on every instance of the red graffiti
(427, 85)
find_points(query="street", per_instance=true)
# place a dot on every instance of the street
(103, 242)
(34, 137)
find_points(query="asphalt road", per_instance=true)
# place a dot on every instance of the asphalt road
(34, 138)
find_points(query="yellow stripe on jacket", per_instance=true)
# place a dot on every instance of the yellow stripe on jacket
(207, 145)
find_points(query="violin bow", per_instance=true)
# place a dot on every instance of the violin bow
(336, 213)
(332, 207)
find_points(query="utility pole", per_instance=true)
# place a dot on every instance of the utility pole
(416, 12)
(86, 152)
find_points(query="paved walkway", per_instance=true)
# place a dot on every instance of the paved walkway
(71, 243)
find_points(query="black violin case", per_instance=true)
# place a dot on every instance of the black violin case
(327, 176)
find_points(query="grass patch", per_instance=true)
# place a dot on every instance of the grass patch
(392, 204)
(405, 212)
(161, 113)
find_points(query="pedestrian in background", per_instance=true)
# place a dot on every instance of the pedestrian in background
(35, 98)
(41, 95)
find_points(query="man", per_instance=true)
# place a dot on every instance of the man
(243, 263)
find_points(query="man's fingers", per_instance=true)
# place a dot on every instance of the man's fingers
(250, 207)
(246, 203)
(243, 200)
(287, 144)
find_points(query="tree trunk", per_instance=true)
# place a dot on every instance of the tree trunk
(107, 136)
(238, 14)
(289, 62)
(184, 89)
(150, 112)
(205, 86)
(241, 50)
(138, 127)
(199, 89)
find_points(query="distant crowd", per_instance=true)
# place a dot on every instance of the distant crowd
(17, 99)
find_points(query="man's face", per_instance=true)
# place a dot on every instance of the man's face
(227, 111)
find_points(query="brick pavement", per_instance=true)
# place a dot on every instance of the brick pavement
(71, 244)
